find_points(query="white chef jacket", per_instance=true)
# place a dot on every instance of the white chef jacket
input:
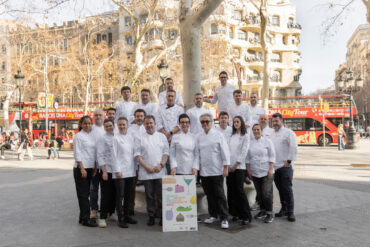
(238, 146)
(104, 151)
(183, 153)
(124, 109)
(214, 153)
(194, 115)
(136, 130)
(97, 132)
(84, 149)
(151, 148)
(240, 110)
(163, 100)
(256, 111)
(123, 156)
(261, 153)
(285, 143)
(150, 109)
(168, 117)
(226, 132)
(224, 97)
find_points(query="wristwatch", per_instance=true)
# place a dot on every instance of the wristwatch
(171, 133)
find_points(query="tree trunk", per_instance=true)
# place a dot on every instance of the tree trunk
(190, 26)
(266, 55)
(87, 96)
(6, 110)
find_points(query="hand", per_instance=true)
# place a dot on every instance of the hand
(119, 175)
(249, 174)
(173, 171)
(169, 138)
(158, 168)
(286, 164)
(270, 173)
(95, 171)
(149, 169)
(83, 173)
(194, 172)
(233, 168)
(225, 172)
(105, 176)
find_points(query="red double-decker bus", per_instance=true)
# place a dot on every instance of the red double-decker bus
(302, 115)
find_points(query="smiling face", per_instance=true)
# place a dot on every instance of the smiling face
(170, 98)
(184, 124)
(238, 98)
(257, 132)
(198, 101)
(99, 117)
(111, 115)
(169, 84)
(237, 123)
(206, 122)
(277, 123)
(223, 79)
(149, 125)
(139, 118)
(109, 127)
(253, 99)
(86, 125)
(263, 121)
(126, 94)
(145, 97)
(122, 126)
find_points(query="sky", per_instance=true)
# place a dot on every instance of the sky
(319, 59)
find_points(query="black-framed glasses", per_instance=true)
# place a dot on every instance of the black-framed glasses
(184, 122)
(223, 77)
(205, 122)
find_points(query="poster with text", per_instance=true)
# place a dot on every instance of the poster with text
(179, 203)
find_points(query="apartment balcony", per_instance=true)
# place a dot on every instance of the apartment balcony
(254, 61)
(153, 44)
(294, 27)
(254, 42)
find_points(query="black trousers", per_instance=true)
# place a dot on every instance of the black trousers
(133, 196)
(3, 147)
(153, 193)
(236, 198)
(94, 191)
(83, 191)
(264, 190)
(108, 196)
(123, 196)
(213, 187)
(283, 181)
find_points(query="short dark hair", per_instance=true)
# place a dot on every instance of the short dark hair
(243, 130)
(111, 109)
(145, 90)
(184, 115)
(223, 113)
(256, 125)
(139, 110)
(223, 73)
(169, 79)
(109, 121)
(125, 88)
(277, 114)
(171, 91)
(122, 118)
(82, 120)
(198, 94)
(149, 117)
(237, 91)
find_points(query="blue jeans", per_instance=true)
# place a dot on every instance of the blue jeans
(340, 142)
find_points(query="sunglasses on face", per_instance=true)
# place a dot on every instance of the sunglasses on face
(205, 122)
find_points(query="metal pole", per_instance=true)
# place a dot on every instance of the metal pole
(55, 124)
(46, 95)
(20, 111)
(350, 108)
(323, 127)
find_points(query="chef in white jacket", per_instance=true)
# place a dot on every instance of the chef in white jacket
(162, 99)
(236, 198)
(239, 109)
(255, 110)
(151, 151)
(124, 171)
(224, 127)
(104, 153)
(260, 164)
(195, 112)
(84, 154)
(214, 159)
(183, 150)
(149, 107)
(125, 107)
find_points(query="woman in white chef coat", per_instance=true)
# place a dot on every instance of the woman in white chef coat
(84, 154)
(104, 156)
(124, 171)
(236, 198)
(260, 164)
(184, 157)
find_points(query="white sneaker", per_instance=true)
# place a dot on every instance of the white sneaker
(210, 220)
(102, 223)
(113, 217)
(224, 224)
(2, 157)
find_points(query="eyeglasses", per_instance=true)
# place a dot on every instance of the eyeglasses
(223, 77)
(205, 122)
(184, 122)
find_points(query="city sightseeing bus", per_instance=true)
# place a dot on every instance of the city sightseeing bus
(302, 115)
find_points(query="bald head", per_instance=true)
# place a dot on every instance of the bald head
(263, 121)
(99, 117)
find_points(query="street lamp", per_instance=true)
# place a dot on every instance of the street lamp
(163, 72)
(19, 80)
(349, 85)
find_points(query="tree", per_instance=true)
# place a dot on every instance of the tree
(191, 19)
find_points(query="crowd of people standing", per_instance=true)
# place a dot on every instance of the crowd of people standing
(145, 141)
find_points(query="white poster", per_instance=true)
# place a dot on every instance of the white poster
(179, 203)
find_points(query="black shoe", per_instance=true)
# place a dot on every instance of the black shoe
(269, 218)
(89, 223)
(247, 180)
(151, 221)
(160, 222)
(260, 216)
(291, 217)
(131, 212)
(235, 218)
(122, 224)
(281, 213)
(130, 220)
(245, 222)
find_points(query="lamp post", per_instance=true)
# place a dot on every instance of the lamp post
(19, 79)
(350, 85)
(163, 71)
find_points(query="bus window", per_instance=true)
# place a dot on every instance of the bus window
(72, 124)
(295, 124)
(312, 124)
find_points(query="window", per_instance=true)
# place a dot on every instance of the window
(276, 20)
(104, 37)
(110, 39)
(65, 44)
(276, 76)
(237, 15)
(231, 33)
(3, 48)
(242, 35)
(236, 52)
(214, 28)
(98, 38)
(172, 34)
(143, 18)
(3, 66)
(275, 57)
(128, 40)
(127, 21)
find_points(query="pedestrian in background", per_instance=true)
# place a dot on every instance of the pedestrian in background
(341, 136)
